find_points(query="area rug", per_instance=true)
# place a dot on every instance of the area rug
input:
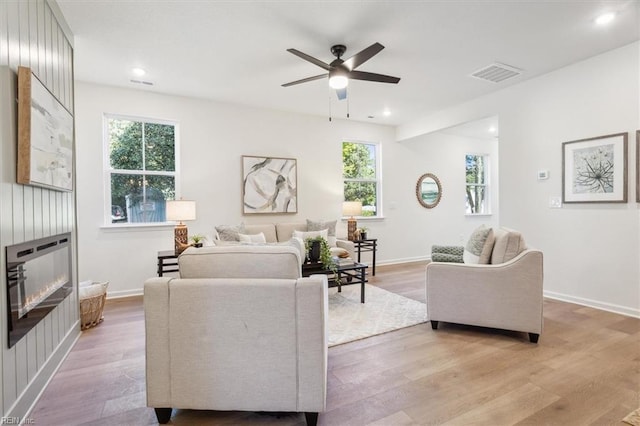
(633, 418)
(382, 311)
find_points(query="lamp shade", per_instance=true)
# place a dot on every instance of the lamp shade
(352, 208)
(180, 210)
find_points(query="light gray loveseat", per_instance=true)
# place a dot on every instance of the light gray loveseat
(505, 294)
(239, 330)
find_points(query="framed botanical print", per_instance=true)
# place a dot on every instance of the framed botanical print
(594, 170)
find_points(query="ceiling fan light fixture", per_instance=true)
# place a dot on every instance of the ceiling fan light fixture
(338, 82)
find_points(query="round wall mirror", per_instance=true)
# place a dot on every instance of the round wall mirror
(428, 190)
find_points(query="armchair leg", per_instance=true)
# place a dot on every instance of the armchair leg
(163, 415)
(434, 324)
(533, 337)
(312, 418)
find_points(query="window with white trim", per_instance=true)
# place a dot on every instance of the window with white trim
(477, 184)
(141, 169)
(361, 175)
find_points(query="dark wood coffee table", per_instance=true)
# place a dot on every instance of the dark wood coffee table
(347, 274)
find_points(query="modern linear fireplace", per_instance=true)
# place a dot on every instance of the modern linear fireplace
(38, 279)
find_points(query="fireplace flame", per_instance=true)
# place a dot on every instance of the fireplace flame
(34, 299)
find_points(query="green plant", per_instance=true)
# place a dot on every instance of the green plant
(325, 254)
(363, 229)
(197, 239)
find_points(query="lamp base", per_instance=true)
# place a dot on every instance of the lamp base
(181, 238)
(351, 228)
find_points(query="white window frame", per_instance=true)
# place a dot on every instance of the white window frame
(486, 185)
(377, 180)
(108, 170)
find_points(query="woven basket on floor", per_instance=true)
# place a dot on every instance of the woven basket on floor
(91, 309)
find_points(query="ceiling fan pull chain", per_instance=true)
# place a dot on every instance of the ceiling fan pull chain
(347, 104)
(329, 105)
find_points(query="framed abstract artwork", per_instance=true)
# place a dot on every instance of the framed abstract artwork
(269, 185)
(45, 136)
(594, 170)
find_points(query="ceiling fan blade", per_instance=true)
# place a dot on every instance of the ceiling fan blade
(369, 76)
(363, 56)
(342, 94)
(304, 80)
(311, 59)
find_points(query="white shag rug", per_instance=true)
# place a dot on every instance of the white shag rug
(382, 311)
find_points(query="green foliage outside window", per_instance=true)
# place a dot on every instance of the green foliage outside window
(142, 161)
(476, 187)
(360, 177)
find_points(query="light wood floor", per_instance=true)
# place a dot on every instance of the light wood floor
(584, 371)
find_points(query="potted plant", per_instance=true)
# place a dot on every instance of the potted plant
(361, 233)
(197, 240)
(317, 249)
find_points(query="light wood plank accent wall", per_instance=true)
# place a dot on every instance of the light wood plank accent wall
(33, 34)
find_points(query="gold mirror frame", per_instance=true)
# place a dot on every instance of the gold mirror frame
(419, 193)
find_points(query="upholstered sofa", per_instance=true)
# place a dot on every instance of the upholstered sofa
(505, 293)
(239, 330)
(283, 232)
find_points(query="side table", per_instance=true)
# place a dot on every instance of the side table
(167, 262)
(369, 244)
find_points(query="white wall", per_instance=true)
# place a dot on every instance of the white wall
(591, 250)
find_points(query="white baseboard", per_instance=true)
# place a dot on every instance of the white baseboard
(402, 260)
(610, 307)
(124, 293)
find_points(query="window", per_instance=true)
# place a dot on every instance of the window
(141, 172)
(361, 176)
(477, 184)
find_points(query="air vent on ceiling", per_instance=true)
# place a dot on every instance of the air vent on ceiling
(146, 83)
(496, 72)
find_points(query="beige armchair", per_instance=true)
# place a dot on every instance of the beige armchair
(506, 294)
(240, 330)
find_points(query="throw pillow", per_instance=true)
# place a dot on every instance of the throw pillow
(230, 232)
(310, 234)
(252, 238)
(452, 250)
(509, 244)
(445, 257)
(330, 226)
(473, 251)
(319, 225)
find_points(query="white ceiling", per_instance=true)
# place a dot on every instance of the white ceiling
(236, 51)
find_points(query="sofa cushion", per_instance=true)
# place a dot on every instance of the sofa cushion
(284, 231)
(252, 238)
(508, 244)
(241, 261)
(229, 232)
(268, 229)
(479, 246)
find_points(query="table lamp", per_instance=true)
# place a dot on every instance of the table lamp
(179, 210)
(351, 209)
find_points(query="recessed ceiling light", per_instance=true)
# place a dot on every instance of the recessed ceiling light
(492, 129)
(605, 18)
(386, 112)
(138, 71)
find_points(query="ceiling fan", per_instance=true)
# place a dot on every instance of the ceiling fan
(340, 71)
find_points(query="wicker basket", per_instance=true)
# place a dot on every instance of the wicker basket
(91, 309)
